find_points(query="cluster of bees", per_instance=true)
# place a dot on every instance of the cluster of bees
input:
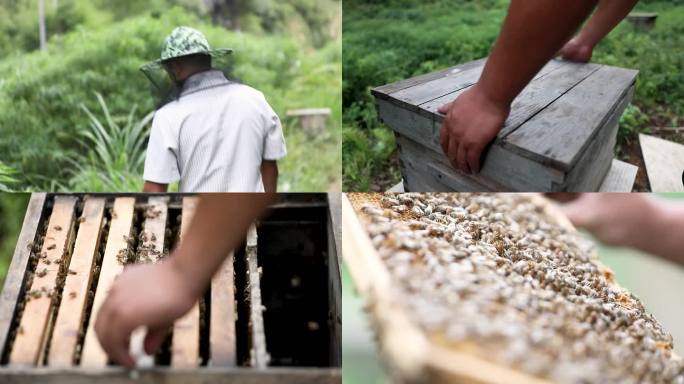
(501, 272)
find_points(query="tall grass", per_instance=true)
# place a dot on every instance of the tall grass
(117, 152)
(7, 177)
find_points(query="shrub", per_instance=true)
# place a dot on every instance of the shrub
(117, 156)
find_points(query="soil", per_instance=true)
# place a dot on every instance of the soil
(388, 176)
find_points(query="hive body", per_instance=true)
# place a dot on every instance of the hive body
(560, 135)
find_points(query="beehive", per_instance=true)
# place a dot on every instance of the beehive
(560, 135)
(271, 314)
(496, 288)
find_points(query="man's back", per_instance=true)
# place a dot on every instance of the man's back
(214, 137)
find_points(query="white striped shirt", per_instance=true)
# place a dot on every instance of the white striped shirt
(214, 137)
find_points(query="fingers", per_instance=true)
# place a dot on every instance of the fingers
(473, 156)
(563, 197)
(461, 158)
(154, 339)
(114, 335)
(444, 140)
(452, 154)
(444, 108)
(577, 212)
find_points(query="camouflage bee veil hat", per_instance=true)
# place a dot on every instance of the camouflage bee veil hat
(182, 41)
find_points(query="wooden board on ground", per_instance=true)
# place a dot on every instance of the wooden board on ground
(116, 250)
(259, 357)
(620, 177)
(32, 337)
(72, 310)
(555, 124)
(664, 163)
(16, 272)
(185, 344)
(223, 316)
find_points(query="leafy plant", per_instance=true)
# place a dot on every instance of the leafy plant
(117, 155)
(7, 177)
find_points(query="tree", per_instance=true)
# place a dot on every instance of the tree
(41, 25)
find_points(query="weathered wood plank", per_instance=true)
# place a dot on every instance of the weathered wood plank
(520, 174)
(258, 355)
(72, 311)
(620, 177)
(223, 315)
(335, 211)
(398, 188)
(154, 230)
(559, 135)
(116, 375)
(434, 89)
(16, 273)
(150, 250)
(36, 322)
(431, 95)
(591, 168)
(186, 333)
(664, 163)
(385, 90)
(117, 247)
(334, 229)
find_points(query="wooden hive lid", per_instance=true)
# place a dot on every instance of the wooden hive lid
(552, 121)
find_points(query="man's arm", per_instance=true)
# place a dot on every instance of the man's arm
(151, 187)
(630, 220)
(269, 175)
(532, 33)
(608, 14)
(154, 295)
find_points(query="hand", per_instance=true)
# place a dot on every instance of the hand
(618, 219)
(151, 295)
(575, 50)
(472, 121)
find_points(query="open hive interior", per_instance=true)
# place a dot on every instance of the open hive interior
(506, 278)
(270, 304)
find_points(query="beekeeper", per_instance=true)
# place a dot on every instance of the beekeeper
(216, 135)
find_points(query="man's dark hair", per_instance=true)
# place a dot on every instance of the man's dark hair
(196, 60)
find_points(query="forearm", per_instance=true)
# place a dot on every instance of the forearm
(151, 187)
(608, 14)
(219, 226)
(532, 33)
(269, 175)
(662, 232)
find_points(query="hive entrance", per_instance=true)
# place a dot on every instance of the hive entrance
(258, 301)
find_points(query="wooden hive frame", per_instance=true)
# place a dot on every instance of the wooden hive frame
(426, 361)
(560, 135)
(72, 244)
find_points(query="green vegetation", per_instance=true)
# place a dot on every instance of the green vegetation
(98, 46)
(396, 39)
(12, 210)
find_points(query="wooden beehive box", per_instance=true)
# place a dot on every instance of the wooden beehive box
(272, 313)
(560, 135)
(416, 353)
